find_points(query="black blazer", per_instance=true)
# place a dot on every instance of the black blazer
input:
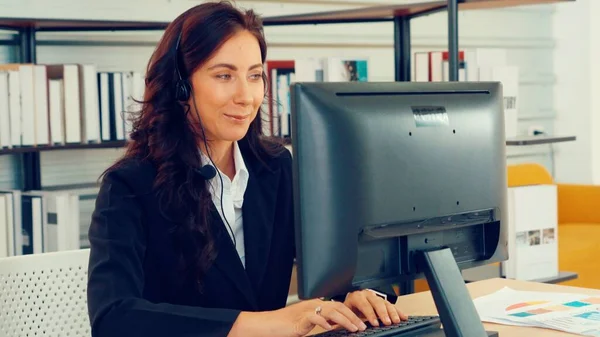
(133, 287)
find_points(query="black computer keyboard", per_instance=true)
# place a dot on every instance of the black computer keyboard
(410, 326)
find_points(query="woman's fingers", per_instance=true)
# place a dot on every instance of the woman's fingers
(343, 316)
(392, 312)
(402, 315)
(380, 307)
(346, 311)
(366, 309)
(319, 320)
(339, 319)
(360, 302)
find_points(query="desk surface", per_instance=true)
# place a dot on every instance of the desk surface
(422, 303)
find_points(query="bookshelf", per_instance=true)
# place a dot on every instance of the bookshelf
(400, 14)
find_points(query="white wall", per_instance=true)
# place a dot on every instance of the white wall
(526, 32)
(594, 89)
(577, 35)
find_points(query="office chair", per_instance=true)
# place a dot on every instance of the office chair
(44, 295)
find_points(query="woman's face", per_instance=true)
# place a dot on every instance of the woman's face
(229, 88)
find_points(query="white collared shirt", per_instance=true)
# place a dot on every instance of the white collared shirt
(233, 198)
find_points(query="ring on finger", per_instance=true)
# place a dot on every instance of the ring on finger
(318, 310)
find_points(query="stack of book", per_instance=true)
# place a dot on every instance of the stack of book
(58, 104)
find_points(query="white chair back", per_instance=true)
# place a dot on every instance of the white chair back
(44, 295)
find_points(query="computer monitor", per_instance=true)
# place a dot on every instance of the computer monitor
(398, 181)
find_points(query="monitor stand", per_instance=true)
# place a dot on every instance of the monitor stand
(457, 312)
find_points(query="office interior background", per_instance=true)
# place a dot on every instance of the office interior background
(555, 47)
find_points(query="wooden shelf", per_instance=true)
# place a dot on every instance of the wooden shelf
(388, 12)
(30, 149)
(78, 25)
(537, 140)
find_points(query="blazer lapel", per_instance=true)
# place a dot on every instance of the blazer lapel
(228, 261)
(258, 212)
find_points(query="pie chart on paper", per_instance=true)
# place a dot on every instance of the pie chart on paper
(524, 304)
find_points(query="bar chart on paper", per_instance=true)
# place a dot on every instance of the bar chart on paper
(575, 313)
(524, 305)
(537, 307)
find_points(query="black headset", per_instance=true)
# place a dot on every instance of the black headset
(183, 92)
(183, 89)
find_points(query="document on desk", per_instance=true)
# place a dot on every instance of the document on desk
(574, 313)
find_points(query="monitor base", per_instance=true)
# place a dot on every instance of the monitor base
(454, 304)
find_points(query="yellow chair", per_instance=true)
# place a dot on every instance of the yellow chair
(578, 224)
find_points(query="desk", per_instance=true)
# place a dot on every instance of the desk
(422, 303)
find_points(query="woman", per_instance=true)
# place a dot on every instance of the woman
(179, 251)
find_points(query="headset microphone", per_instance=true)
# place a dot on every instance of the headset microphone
(207, 172)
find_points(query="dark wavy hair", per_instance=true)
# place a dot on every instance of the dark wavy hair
(162, 134)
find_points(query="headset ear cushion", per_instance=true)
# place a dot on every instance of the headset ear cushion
(182, 91)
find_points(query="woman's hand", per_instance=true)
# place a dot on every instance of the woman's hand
(371, 306)
(301, 318)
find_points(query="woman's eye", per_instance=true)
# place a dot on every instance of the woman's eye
(256, 76)
(224, 76)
